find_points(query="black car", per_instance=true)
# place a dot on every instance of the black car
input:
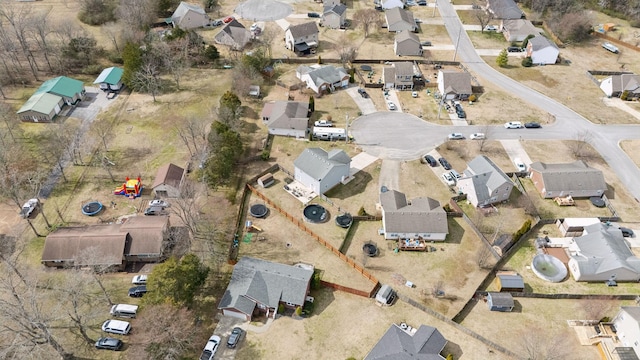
(363, 93)
(430, 160)
(515, 49)
(626, 232)
(422, 3)
(106, 343)
(235, 337)
(138, 291)
(313, 15)
(445, 164)
(461, 114)
(532, 125)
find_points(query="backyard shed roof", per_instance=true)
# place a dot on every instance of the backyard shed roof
(41, 102)
(510, 281)
(111, 76)
(503, 300)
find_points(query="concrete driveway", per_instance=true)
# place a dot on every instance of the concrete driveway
(393, 96)
(515, 150)
(390, 175)
(366, 106)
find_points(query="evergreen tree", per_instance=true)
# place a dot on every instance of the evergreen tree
(502, 60)
(132, 58)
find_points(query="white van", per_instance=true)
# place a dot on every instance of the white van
(124, 310)
(116, 327)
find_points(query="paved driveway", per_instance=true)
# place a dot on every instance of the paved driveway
(366, 106)
(390, 175)
(515, 150)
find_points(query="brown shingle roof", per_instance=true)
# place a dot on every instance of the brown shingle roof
(168, 174)
(146, 233)
(80, 245)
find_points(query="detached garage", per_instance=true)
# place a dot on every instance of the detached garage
(41, 107)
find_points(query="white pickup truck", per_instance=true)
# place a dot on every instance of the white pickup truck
(28, 208)
(609, 46)
(323, 123)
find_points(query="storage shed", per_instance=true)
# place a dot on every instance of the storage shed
(510, 283)
(385, 295)
(266, 180)
(500, 301)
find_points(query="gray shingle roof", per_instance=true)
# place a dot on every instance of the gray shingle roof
(456, 82)
(317, 163)
(396, 344)
(603, 249)
(511, 281)
(575, 176)
(236, 32)
(500, 299)
(633, 311)
(397, 16)
(505, 9)
(539, 42)
(324, 74)
(422, 215)
(622, 82)
(520, 27)
(289, 115)
(339, 9)
(486, 176)
(407, 35)
(260, 281)
(301, 30)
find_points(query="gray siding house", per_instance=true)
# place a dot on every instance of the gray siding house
(616, 85)
(320, 170)
(627, 323)
(398, 76)
(454, 84)
(517, 30)
(601, 254)
(399, 19)
(334, 17)
(407, 44)
(323, 78)
(403, 342)
(484, 182)
(576, 179)
(188, 16)
(504, 9)
(234, 35)
(420, 218)
(287, 118)
(259, 287)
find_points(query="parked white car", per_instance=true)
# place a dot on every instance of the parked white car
(520, 164)
(477, 136)
(211, 348)
(139, 280)
(455, 136)
(513, 125)
(448, 179)
(323, 123)
(391, 105)
(28, 208)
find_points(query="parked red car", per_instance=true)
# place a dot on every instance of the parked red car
(228, 19)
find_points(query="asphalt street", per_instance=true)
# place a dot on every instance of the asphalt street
(400, 136)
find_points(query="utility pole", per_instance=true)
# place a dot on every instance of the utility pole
(346, 129)
(457, 43)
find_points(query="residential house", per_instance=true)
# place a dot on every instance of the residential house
(508, 282)
(542, 51)
(576, 179)
(500, 301)
(168, 181)
(399, 76)
(484, 182)
(516, 30)
(420, 218)
(320, 170)
(627, 324)
(454, 84)
(572, 227)
(110, 79)
(149, 236)
(407, 44)
(287, 118)
(260, 287)
(504, 9)
(323, 78)
(234, 35)
(617, 85)
(601, 254)
(330, 3)
(398, 19)
(189, 16)
(391, 4)
(97, 245)
(334, 17)
(41, 107)
(404, 342)
(302, 39)
(71, 90)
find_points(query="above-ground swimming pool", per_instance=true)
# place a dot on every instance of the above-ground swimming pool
(549, 268)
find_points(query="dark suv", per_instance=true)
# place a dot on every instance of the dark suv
(445, 164)
(363, 93)
(235, 337)
(515, 49)
(430, 160)
(138, 291)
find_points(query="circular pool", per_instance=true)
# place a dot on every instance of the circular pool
(258, 210)
(344, 220)
(549, 268)
(92, 208)
(315, 213)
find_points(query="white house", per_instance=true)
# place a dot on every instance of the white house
(287, 118)
(542, 51)
(601, 254)
(420, 218)
(484, 183)
(616, 85)
(323, 78)
(302, 39)
(627, 324)
(390, 4)
(188, 16)
(320, 170)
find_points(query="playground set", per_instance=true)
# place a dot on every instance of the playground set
(131, 188)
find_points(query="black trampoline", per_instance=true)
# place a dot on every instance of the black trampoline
(597, 201)
(92, 208)
(315, 213)
(370, 250)
(258, 210)
(344, 220)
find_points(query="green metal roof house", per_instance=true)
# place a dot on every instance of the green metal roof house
(110, 79)
(41, 107)
(71, 90)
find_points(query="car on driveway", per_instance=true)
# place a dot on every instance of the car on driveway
(445, 164)
(313, 15)
(455, 136)
(323, 123)
(477, 136)
(513, 125)
(235, 337)
(107, 343)
(532, 125)
(422, 2)
(138, 291)
(211, 348)
(139, 280)
(626, 232)
(515, 49)
(228, 19)
(363, 93)
(490, 28)
(391, 105)
(426, 43)
(430, 160)
(28, 208)
(448, 179)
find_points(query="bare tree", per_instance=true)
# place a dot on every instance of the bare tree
(19, 18)
(482, 142)
(367, 18)
(136, 14)
(484, 257)
(542, 344)
(187, 208)
(595, 309)
(41, 30)
(175, 58)
(92, 255)
(102, 130)
(483, 16)
(113, 31)
(193, 133)
(579, 146)
(147, 79)
(84, 309)
(346, 50)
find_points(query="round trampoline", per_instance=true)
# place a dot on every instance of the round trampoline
(315, 213)
(548, 268)
(92, 208)
(370, 250)
(344, 220)
(597, 201)
(258, 210)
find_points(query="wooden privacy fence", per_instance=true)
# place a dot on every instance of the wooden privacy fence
(348, 289)
(316, 237)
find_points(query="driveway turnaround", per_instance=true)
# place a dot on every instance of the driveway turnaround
(263, 10)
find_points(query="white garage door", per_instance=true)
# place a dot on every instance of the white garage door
(234, 314)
